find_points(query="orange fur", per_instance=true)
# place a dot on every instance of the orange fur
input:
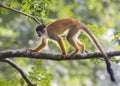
(73, 28)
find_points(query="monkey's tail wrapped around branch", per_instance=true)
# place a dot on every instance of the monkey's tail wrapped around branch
(106, 58)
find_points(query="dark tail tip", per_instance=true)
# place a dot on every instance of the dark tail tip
(110, 71)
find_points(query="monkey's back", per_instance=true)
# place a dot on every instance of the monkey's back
(59, 27)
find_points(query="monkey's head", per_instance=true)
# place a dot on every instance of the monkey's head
(40, 30)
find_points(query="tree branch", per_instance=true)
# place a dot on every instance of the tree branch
(28, 15)
(48, 56)
(17, 67)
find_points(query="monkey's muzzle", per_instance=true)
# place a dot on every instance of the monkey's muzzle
(39, 35)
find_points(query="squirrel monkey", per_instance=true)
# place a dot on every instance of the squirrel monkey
(72, 29)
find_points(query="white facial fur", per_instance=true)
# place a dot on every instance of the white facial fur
(46, 33)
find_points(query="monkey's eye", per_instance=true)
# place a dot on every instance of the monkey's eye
(39, 32)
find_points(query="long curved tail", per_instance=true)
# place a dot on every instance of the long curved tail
(98, 45)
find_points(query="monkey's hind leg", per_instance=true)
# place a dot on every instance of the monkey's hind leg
(72, 39)
(82, 46)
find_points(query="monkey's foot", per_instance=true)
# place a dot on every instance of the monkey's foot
(31, 50)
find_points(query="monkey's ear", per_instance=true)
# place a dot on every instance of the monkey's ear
(43, 25)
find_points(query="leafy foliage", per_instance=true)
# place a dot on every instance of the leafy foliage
(37, 8)
(38, 75)
(3, 82)
(16, 32)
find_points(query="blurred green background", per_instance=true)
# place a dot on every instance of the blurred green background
(18, 32)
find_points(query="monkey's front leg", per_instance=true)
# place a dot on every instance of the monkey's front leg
(63, 49)
(41, 46)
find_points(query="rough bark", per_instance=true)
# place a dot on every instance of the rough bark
(48, 56)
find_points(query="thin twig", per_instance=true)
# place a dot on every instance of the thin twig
(32, 17)
(19, 69)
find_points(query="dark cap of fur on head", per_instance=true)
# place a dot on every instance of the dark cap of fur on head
(40, 27)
